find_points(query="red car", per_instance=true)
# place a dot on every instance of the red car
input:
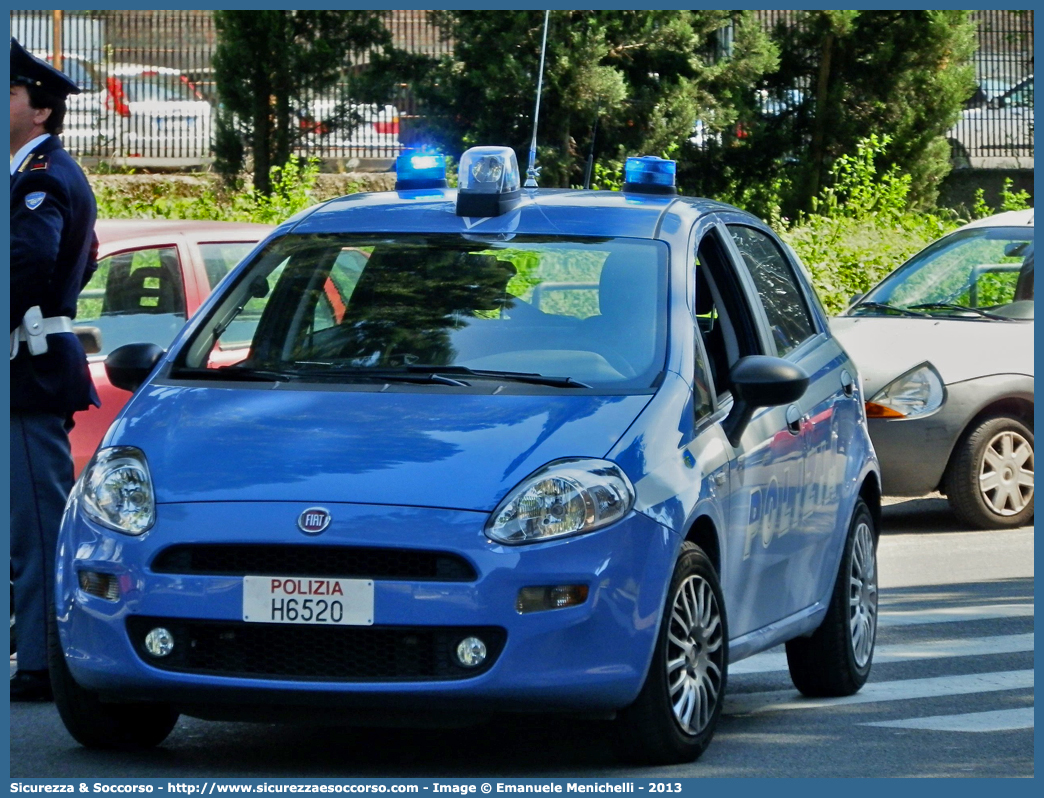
(152, 275)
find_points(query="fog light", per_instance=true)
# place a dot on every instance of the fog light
(471, 652)
(104, 586)
(159, 642)
(552, 597)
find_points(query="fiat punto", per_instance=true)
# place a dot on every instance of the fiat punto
(437, 453)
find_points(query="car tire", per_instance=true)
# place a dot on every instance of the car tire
(835, 660)
(674, 717)
(96, 724)
(990, 479)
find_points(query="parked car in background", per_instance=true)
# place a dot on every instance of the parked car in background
(996, 134)
(361, 129)
(156, 112)
(152, 275)
(944, 345)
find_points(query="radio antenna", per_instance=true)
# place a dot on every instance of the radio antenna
(533, 171)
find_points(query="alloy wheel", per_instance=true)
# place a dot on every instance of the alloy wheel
(862, 595)
(695, 654)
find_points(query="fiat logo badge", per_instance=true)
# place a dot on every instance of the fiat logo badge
(314, 520)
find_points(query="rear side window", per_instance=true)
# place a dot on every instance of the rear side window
(135, 297)
(785, 305)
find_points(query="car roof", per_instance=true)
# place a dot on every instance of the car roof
(1006, 219)
(109, 230)
(553, 212)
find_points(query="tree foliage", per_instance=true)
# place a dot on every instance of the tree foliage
(268, 66)
(645, 76)
(900, 74)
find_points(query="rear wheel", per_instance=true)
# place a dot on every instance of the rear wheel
(95, 724)
(674, 717)
(835, 660)
(990, 480)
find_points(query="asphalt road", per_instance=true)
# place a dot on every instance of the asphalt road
(951, 694)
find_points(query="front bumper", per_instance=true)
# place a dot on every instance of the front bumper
(590, 657)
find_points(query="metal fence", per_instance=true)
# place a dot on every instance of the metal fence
(149, 92)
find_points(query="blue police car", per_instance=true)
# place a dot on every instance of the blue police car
(448, 452)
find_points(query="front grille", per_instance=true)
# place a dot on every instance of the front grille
(297, 560)
(315, 653)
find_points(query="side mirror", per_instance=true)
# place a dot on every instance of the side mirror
(761, 381)
(90, 339)
(855, 298)
(129, 366)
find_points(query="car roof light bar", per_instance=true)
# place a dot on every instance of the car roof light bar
(647, 174)
(416, 169)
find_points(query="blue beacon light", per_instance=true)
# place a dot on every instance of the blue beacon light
(415, 169)
(647, 174)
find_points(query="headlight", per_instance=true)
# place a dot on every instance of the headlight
(916, 393)
(116, 490)
(564, 498)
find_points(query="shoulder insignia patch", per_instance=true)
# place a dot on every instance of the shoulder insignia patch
(41, 162)
(35, 199)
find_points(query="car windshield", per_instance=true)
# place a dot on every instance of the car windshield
(445, 309)
(156, 87)
(981, 273)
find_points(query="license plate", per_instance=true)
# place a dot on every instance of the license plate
(308, 600)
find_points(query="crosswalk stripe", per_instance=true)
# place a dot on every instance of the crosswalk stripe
(900, 690)
(953, 614)
(772, 661)
(997, 720)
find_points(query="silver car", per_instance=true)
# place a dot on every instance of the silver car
(944, 346)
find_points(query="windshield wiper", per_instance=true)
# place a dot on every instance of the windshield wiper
(887, 308)
(236, 373)
(960, 309)
(510, 376)
(337, 371)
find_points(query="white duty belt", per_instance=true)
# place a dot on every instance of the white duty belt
(34, 330)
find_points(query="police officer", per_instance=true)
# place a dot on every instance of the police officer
(53, 252)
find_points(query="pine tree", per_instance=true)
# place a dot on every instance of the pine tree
(268, 65)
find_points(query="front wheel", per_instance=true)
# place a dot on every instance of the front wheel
(674, 716)
(835, 660)
(95, 724)
(990, 480)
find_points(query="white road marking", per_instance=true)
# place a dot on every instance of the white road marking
(998, 720)
(772, 661)
(900, 690)
(983, 612)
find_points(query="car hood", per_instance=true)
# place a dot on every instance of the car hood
(883, 348)
(410, 449)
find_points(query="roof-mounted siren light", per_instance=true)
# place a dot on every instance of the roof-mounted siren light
(489, 182)
(647, 174)
(416, 169)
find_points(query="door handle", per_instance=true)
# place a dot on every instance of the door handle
(793, 420)
(847, 383)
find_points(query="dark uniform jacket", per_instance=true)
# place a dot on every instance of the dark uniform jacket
(53, 255)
